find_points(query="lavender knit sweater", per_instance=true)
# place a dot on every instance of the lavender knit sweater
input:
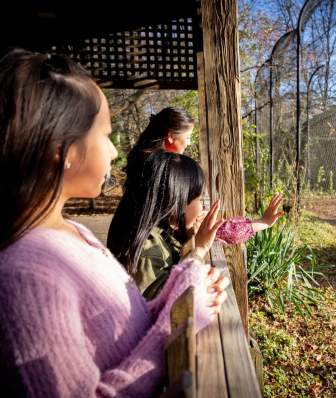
(73, 323)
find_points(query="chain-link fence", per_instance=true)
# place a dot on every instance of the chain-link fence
(296, 103)
(318, 99)
(262, 123)
(283, 154)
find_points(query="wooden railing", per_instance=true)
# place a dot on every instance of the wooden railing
(216, 362)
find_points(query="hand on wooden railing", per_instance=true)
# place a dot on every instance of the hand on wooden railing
(217, 283)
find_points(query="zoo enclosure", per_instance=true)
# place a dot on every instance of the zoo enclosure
(295, 106)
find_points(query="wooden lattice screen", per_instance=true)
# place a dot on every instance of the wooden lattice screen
(157, 56)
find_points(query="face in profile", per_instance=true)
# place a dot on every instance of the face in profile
(87, 173)
(193, 210)
(178, 143)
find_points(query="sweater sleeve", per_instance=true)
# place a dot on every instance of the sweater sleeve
(46, 352)
(127, 375)
(156, 305)
(235, 230)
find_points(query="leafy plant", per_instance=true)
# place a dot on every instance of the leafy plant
(189, 101)
(280, 270)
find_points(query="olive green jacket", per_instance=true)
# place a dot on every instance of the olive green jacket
(159, 253)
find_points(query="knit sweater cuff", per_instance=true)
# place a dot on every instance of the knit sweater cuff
(235, 230)
(190, 272)
(156, 305)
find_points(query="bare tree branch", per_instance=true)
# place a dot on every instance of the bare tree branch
(131, 101)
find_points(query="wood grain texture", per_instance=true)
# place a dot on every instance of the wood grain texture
(203, 125)
(257, 360)
(218, 361)
(222, 109)
(240, 373)
(181, 350)
(211, 379)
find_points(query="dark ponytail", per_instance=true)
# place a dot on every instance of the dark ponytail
(174, 120)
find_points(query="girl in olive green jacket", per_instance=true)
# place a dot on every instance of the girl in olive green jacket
(159, 212)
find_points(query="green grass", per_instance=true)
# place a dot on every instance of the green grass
(319, 235)
(300, 353)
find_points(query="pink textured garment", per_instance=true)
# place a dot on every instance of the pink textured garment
(235, 230)
(74, 324)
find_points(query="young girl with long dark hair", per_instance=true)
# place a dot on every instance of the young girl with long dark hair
(157, 213)
(72, 321)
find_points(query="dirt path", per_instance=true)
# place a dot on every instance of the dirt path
(324, 208)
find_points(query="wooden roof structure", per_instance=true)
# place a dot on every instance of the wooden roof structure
(137, 45)
(175, 44)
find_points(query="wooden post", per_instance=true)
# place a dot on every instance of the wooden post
(220, 115)
(181, 346)
(203, 124)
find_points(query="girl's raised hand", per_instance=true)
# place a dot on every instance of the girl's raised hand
(207, 230)
(199, 221)
(272, 212)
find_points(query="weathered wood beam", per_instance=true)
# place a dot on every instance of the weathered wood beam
(221, 148)
(181, 346)
(203, 124)
(241, 378)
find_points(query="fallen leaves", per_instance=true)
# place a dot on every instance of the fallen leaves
(299, 354)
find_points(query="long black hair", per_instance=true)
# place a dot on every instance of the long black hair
(167, 183)
(47, 102)
(173, 120)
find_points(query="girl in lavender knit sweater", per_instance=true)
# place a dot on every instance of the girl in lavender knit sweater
(72, 321)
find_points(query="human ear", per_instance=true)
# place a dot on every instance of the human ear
(71, 157)
(170, 138)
